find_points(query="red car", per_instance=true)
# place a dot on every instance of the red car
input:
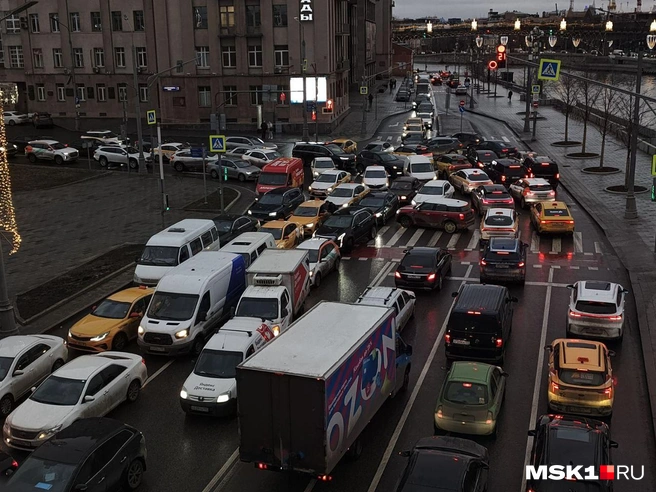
(442, 213)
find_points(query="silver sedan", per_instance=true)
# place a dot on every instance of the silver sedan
(261, 157)
(234, 168)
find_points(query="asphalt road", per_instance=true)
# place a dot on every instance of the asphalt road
(200, 454)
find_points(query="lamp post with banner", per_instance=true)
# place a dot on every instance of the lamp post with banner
(504, 43)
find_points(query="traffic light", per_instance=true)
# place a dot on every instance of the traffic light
(501, 55)
(225, 174)
(314, 115)
(329, 107)
(492, 65)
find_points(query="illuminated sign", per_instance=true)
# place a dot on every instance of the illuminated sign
(307, 12)
(316, 88)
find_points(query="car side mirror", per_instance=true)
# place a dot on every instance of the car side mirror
(625, 291)
(405, 454)
(135, 315)
(548, 348)
(504, 374)
(89, 398)
(454, 294)
(611, 353)
(614, 444)
(81, 486)
(532, 432)
(570, 286)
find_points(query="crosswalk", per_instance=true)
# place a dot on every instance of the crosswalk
(385, 137)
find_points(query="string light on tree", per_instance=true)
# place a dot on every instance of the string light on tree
(7, 212)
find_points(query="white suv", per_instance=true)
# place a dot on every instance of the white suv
(50, 150)
(402, 301)
(113, 154)
(499, 222)
(596, 310)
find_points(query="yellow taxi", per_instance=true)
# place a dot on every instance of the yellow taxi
(346, 144)
(554, 217)
(286, 233)
(311, 215)
(447, 164)
(112, 323)
(167, 150)
(580, 377)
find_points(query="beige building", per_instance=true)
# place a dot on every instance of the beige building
(194, 58)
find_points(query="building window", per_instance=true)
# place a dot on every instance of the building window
(96, 22)
(80, 93)
(227, 15)
(34, 23)
(40, 92)
(16, 57)
(37, 58)
(101, 92)
(230, 95)
(253, 16)
(280, 16)
(57, 58)
(203, 56)
(119, 57)
(229, 57)
(75, 22)
(143, 93)
(204, 96)
(122, 92)
(13, 24)
(281, 55)
(78, 57)
(200, 17)
(61, 92)
(54, 22)
(2, 54)
(117, 21)
(142, 59)
(139, 21)
(256, 94)
(255, 56)
(283, 89)
(99, 57)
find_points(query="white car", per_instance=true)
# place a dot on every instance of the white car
(50, 150)
(596, 310)
(438, 188)
(461, 90)
(402, 301)
(324, 258)
(499, 222)
(379, 147)
(327, 181)
(89, 386)
(347, 194)
(376, 178)
(421, 167)
(25, 361)
(15, 118)
(260, 157)
(320, 165)
(103, 137)
(249, 143)
(237, 152)
(114, 154)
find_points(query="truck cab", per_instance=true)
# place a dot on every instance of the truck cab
(272, 304)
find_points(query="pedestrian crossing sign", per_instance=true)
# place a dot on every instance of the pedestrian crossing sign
(549, 70)
(364, 90)
(217, 143)
(151, 117)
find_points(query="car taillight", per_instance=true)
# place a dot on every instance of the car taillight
(452, 167)
(486, 202)
(143, 361)
(503, 178)
(554, 387)
(570, 221)
(14, 464)
(552, 193)
(397, 274)
(509, 200)
(431, 277)
(324, 478)
(461, 216)
(28, 148)
(521, 264)
(480, 164)
(529, 193)
(608, 392)
(557, 175)
(531, 175)
(447, 338)
(483, 262)
(504, 150)
(543, 222)
(262, 466)
(498, 343)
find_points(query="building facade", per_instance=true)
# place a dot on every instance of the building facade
(193, 58)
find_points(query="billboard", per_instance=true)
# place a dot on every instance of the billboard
(314, 86)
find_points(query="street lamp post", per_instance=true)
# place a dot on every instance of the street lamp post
(504, 42)
(533, 43)
(76, 100)
(301, 41)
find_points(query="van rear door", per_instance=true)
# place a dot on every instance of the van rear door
(474, 334)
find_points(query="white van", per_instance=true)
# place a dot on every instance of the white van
(211, 389)
(190, 301)
(250, 245)
(421, 167)
(174, 245)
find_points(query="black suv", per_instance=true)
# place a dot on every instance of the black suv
(503, 260)
(423, 268)
(481, 158)
(468, 138)
(501, 148)
(405, 188)
(382, 204)
(349, 226)
(308, 151)
(278, 203)
(542, 166)
(505, 171)
(568, 440)
(393, 164)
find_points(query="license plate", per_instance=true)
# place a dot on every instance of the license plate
(460, 342)
(158, 349)
(200, 409)
(502, 266)
(414, 277)
(594, 331)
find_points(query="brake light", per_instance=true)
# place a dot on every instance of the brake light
(440, 414)
(521, 264)
(447, 338)
(608, 392)
(14, 464)
(480, 164)
(557, 175)
(531, 175)
(514, 167)
(143, 361)
(552, 193)
(504, 150)
(598, 316)
(486, 201)
(570, 221)
(452, 167)
(461, 216)
(543, 222)
(431, 277)
(262, 466)
(509, 200)
(324, 478)
(28, 148)
(529, 193)
(503, 178)
(397, 274)
(498, 342)
(554, 387)
(573, 314)
(473, 312)
(483, 262)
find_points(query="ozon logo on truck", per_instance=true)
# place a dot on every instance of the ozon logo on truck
(573, 472)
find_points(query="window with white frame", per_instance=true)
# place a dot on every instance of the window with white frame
(57, 58)
(256, 94)
(16, 57)
(75, 22)
(12, 23)
(255, 55)
(96, 22)
(204, 96)
(61, 92)
(34, 23)
(78, 57)
(119, 57)
(122, 92)
(230, 95)
(229, 55)
(227, 15)
(37, 58)
(80, 92)
(99, 57)
(203, 56)
(143, 93)
(101, 92)
(142, 60)
(281, 55)
(54, 22)
(40, 92)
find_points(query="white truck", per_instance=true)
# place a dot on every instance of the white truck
(278, 284)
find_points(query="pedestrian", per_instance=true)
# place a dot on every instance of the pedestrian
(394, 81)
(270, 130)
(371, 100)
(509, 97)
(264, 128)
(390, 85)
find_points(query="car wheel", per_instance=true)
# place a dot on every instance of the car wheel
(214, 174)
(58, 160)
(440, 282)
(317, 279)
(198, 345)
(373, 233)
(6, 405)
(12, 122)
(405, 221)
(241, 178)
(134, 474)
(133, 163)
(349, 244)
(178, 167)
(133, 391)
(58, 363)
(523, 203)
(119, 342)
(31, 158)
(103, 161)
(450, 227)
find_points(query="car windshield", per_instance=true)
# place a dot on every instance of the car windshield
(241, 164)
(218, 364)
(540, 187)
(387, 157)
(58, 146)
(272, 155)
(498, 220)
(327, 178)
(336, 149)
(5, 365)
(343, 192)
(159, 255)
(372, 202)
(306, 211)
(581, 378)
(255, 307)
(401, 185)
(478, 177)
(466, 393)
(112, 309)
(40, 474)
(223, 225)
(375, 174)
(422, 167)
(172, 306)
(271, 199)
(418, 261)
(596, 307)
(324, 164)
(339, 221)
(570, 445)
(59, 391)
(275, 232)
(556, 212)
(432, 190)
(273, 179)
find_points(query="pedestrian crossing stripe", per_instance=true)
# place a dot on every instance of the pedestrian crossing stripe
(549, 70)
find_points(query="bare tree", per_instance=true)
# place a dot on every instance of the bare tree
(608, 103)
(589, 93)
(567, 91)
(624, 108)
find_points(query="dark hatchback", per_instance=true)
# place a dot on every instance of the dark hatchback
(505, 171)
(568, 440)
(348, 226)
(309, 151)
(393, 164)
(405, 188)
(501, 148)
(445, 464)
(278, 203)
(95, 454)
(481, 158)
(231, 226)
(382, 204)
(503, 260)
(543, 167)
(486, 197)
(468, 138)
(423, 268)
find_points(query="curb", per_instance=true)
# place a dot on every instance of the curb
(235, 200)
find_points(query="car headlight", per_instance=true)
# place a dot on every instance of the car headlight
(403, 197)
(182, 333)
(273, 214)
(141, 330)
(49, 432)
(394, 167)
(311, 224)
(250, 212)
(311, 273)
(276, 330)
(6, 428)
(315, 175)
(434, 177)
(183, 393)
(329, 189)
(344, 205)
(310, 188)
(100, 338)
(378, 214)
(223, 398)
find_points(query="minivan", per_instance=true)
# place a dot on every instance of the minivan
(480, 324)
(250, 245)
(174, 245)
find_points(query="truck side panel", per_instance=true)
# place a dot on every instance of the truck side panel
(281, 420)
(358, 388)
(300, 284)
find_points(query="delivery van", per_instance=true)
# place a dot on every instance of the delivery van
(250, 245)
(279, 173)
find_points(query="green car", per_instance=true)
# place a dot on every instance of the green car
(470, 400)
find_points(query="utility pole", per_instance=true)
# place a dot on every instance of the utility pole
(631, 210)
(137, 107)
(76, 100)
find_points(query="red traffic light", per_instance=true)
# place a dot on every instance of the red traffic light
(314, 115)
(501, 53)
(283, 97)
(329, 104)
(492, 65)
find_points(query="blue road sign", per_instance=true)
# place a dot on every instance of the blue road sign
(151, 117)
(549, 70)
(196, 152)
(217, 143)
(461, 109)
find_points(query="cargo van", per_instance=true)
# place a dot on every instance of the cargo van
(250, 245)
(279, 173)
(480, 323)
(190, 302)
(172, 246)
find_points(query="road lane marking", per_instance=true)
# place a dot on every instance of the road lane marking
(537, 266)
(395, 238)
(389, 138)
(535, 242)
(538, 374)
(382, 230)
(453, 241)
(415, 237)
(593, 268)
(310, 485)
(158, 372)
(598, 249)
(434, 238)
(406, 412)
(578, 242)
(394, 125)
(363, 259)
(473, 242)
(505, 139)
(556, 245)
(572, 267)
(382, 274)
(222, 471)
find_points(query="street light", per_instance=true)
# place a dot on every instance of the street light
(609, 26)
(429, 27)
(518, 25)
(474, 25)
(563, 25)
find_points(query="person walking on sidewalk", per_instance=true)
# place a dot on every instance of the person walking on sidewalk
(509, 97)
(371, 101)
(264, 127)
(269, 130)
